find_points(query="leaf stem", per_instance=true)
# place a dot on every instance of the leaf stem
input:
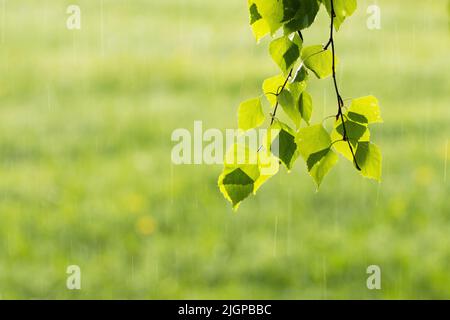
(278, 93)
(340, 114)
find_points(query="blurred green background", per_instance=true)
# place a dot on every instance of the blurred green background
(86, 178)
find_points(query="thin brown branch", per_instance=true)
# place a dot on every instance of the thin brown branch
(340, 114)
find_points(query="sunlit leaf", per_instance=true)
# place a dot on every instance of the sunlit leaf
(318, 60)
(356, 132)
(269, 166)
(272, 86)
(314, 144)
(290, 107)
(240, 172)
(250, 114)
(284, 146)
(369, 159)
(305, 106)
(301, 14)
(298, 83)
(342, 8)
(260, 27)
(365, 110)
(284, 52)
(271, 11)
(237, 186)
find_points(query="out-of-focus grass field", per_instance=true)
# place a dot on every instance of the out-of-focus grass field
(86, 178)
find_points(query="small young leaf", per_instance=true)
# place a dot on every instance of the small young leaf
(318, 60)
(250, 114)
(284, 52)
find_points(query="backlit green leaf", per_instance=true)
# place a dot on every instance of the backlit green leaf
(356, 132)
(342, 8)
(299, 83)
(254, 14)
(240, 172)
(250, 114)
(318, 60)
(305, 106)
(369, 159)
(260, 27)
(314, 144)
(237, 186)
(272, 11)
(290, 107)
(284, 146)
(284, 52)
(321, 163)
(365, 110)
(302, 14)
(272, 86)
(269, 166)
(312, 139)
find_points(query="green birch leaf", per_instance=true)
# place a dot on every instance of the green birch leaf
(342, 147)
(284, 52)
(356, 132)
(302, 15)
(305, 106)
(297, 40)
(284, 146)
(365, 110)
(299, 83)
(271, 11)
(236, 186)
(369, 159)
(269, 166)
(318, 60)
(314, 144)
(342, 8)
(301, 75)
(260, 27)
(254, 13)
(312, 139)
(250, 114)
(289, 105)
(272, 86)
(320, 164)
(240, 172)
